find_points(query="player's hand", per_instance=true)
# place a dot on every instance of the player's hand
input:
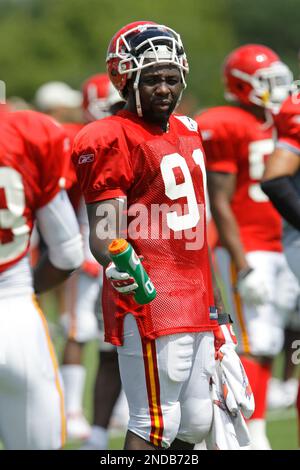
(234, 382)
(252, 287)
(122, 282)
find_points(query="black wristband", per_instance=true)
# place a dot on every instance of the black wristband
(213, 313)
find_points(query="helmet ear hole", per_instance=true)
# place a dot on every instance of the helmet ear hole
(125, 90)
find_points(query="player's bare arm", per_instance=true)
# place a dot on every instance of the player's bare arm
(217, 293)
(105, 220)
(221, 187)
(105, 226)
(46, 276)
(282, 162)
(277, 183)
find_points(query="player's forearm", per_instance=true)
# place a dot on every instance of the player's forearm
(105, 225)
(216, 290)
(46, 276)
(229, 233)
(99, 249)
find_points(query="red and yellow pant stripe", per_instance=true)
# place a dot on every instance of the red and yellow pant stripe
(153, 392)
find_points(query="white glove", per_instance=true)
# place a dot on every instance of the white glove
(121, 281)
(252, 288)
(228, 430)
(236, 388)
(231, 394)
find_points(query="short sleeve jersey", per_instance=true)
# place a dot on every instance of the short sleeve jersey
(287, 122)
(33, 149)
(90, 266)
(288, 131)
(235, 141)
(162, 176)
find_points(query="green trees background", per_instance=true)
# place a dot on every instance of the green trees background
(43, 40)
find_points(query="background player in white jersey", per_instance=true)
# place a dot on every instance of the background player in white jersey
(237, 140)
(32, 151)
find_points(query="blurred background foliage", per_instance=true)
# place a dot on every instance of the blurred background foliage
(44, 40)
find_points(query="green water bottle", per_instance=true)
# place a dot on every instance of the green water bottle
(126, 260)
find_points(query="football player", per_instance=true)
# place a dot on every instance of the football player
(237, 140)
(32, 151)
(281, 181)
(150, 159)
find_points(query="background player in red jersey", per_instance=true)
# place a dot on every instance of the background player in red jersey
(32, 151)
(237, 140)
(281, 182)
(153, 160)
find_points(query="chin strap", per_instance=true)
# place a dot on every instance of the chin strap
(269, 121)
(137, 92)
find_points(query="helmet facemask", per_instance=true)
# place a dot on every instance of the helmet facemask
(269, 86)
(98, 108)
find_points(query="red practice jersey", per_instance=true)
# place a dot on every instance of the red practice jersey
(235, 141)
(163, 177)
(288, 124)
(33, 149)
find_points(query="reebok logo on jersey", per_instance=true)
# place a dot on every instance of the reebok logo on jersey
(296, 119)
(207, 134)
(87, 158)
